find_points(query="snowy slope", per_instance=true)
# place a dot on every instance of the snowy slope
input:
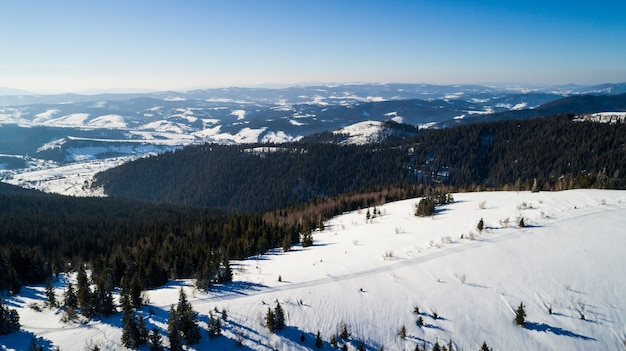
(371, 275)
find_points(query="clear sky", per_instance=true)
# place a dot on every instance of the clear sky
(73, 45)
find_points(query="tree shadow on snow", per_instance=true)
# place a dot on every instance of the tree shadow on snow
(546, 328)
(21, 340)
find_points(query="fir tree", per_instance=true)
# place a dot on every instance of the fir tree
(318, 340)
(70, 298)
(85, 300)
(188, 323)
(481, 225)
(176, 341)
(343, 333)
(279, 317)
(130, 328)
(520, 315)
(103, 299)
(155, 341)
(484, 347)
(402, 332)
(270, 320)
(436, 347)
(9, 319)
(307, 239)
(214, 326)
(333, 341)
(51, 299)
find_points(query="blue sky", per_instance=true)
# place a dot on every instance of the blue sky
(70, 45)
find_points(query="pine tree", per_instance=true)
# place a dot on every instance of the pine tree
(436, 347)
(9, 319)
(279, 317)
(176, 341)
(484, 347)
(51, 299)
(130, 329)
(481, 225)
(307, 239)
(343, 333)
(70, 298)
(85, 300)
(333, 341)
(214, 326)
(402, 332)
(155, 341)
(103, 299)
(318, 340)
(270, 320)
(520, 315)
(188, 323)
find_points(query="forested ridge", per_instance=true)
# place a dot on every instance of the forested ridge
(557, 151)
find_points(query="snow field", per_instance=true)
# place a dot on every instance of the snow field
(371, 275)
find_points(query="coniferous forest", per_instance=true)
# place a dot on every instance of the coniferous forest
(185, 214)
(557, 151)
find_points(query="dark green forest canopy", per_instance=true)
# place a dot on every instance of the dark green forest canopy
(495, 154)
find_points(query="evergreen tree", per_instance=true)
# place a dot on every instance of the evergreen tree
(318, 340)
(214, 326)
(51, 299)
(307, 238)
(130, 327)
(187, 321)
(520, 315)
(343, 333)
(155, 341)
(333, 341)
(176, 341)
(481, 225)
(436, 347)
(270, 320)
(103, 299)
(9, 319)
(85, 300)
(279, 317)
(34, 346)
(70, 299)
(426, 207)
(402, 332)
(484, 347)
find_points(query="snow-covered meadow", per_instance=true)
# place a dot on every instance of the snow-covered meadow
(371, 275)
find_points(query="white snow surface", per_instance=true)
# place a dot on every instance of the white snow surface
(361, 133)
(604, 117)
(372, 274)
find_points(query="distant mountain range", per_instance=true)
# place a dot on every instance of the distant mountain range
(44, 131)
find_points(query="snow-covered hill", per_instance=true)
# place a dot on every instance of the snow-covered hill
(371, 275)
